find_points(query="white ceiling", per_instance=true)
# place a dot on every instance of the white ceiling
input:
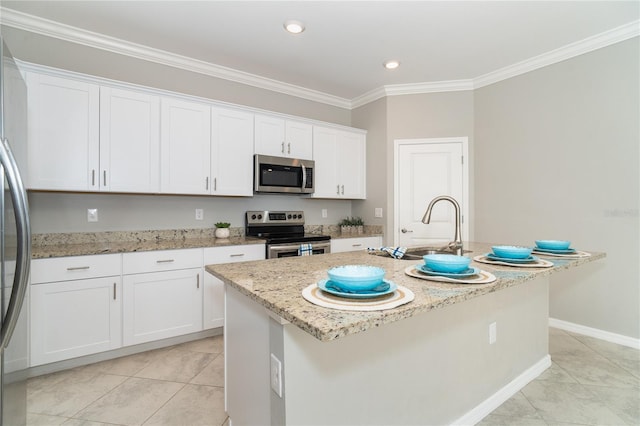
(345, 43)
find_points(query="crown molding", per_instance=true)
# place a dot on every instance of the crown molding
(26, 22)
(589, 44)
(68, 33)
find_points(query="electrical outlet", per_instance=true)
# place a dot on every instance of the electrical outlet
(324, 213)
(276, 375)
(492, 333)
(377, 212)
(199, 214)
(92, 215)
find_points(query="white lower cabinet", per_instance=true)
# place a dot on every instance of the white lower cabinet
(162, 294)
(354, 244)
(75, 313)
(213, 306)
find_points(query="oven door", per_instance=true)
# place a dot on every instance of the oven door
(275, 251)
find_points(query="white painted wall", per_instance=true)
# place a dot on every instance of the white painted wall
(557, 156)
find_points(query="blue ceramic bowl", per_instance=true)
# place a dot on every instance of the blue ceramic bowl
(356, 277)
(553, 244)
(446, 262)
(512, 252)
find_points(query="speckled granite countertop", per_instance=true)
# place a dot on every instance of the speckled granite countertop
(277, 284)
(87, 243)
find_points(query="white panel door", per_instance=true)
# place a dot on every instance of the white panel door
(231, 152)
(351, 165)
(299, 140)
(75, 318)
(425, 171)
(129, 141)
(325, 148)
(161, 304)
(63, 141)
(269, 138)
(185, 146)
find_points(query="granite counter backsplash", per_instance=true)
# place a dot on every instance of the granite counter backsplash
(89, 243)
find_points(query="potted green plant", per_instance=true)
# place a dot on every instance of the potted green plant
(222, 229)
(351, 225)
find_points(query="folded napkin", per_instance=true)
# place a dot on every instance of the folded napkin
(305, 250)
(395, 252)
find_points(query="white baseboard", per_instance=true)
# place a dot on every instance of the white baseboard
(494, 401)
(596, 333)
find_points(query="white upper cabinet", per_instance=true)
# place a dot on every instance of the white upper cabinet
(63, 139)
(129, 141)
(185, 145)
(231, 152)
(283, 138)
(84, 137)
(340, 163)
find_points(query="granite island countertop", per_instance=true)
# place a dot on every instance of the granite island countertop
(277, 285)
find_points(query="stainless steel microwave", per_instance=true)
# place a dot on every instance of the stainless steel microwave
(283, 175)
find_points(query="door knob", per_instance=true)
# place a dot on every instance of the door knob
(404, 230)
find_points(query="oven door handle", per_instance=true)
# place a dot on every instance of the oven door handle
(280, 248)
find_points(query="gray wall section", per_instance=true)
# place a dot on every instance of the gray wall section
(373, 117)
(431, 115)
(557, 156)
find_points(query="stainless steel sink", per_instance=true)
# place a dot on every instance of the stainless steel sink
(417, 252)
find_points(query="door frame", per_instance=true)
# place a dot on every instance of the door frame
(464, 141)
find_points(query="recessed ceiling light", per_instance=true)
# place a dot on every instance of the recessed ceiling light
(391, 65)
(294, 27)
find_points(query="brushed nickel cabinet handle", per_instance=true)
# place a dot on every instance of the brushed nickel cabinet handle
(114, 291)
(198, 281)
(215, 184)
(206, 183)
(356, 245)
(342, 189)
(289, 148)
(104, 178)
(283, 147)
(78, 268)
(236, 255)
(338, 189)
(93, 177)
(165, 261)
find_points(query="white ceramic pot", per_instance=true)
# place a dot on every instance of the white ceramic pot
(222, 232)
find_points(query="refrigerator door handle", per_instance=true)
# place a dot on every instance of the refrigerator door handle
(23, 251)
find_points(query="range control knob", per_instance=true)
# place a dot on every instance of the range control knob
(259, 216)
(289, 216)
(253, 216)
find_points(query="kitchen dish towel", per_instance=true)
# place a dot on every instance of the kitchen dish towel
(305, 250)
(395, 252)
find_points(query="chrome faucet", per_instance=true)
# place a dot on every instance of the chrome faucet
(456, 245)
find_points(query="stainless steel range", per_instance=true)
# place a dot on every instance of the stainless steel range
(284, 232)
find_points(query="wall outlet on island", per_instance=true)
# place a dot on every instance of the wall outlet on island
(492, 333)
(276, 375)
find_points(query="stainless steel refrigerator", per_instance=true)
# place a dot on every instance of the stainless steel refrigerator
(15, 242)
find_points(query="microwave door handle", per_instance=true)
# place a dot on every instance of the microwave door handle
(304, 177)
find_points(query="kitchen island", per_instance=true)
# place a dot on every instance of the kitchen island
(429, 361)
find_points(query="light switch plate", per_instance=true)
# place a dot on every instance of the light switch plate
(324, 213)
(377, 212)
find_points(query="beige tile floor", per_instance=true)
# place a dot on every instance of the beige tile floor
(591, 382)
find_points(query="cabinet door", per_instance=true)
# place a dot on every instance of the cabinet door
(339, 245)
(231, 152)
(351, 165)
(269, 137)
(185, 145)
(75, 318)
(159, 305)
(325, 146)
(129, 141)
(63, 141)
(299, 140)
(213, 306)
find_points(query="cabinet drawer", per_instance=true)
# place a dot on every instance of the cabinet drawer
(162, 260)
(232, 254)
(354, 244)
(75, 268)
